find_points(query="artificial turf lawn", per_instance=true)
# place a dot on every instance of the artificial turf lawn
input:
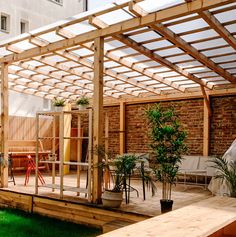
(15, 223)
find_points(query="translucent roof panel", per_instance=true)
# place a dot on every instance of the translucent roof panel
(109, 18)
(186, 26)
(219, 51)
(153, 5)
(51, 37)
(209, 44)
(226, 16)
(199, 35)
(158, 44)
(144, 36)
(80, 28)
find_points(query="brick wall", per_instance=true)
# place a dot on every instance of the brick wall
(190, 114)
(223, 124)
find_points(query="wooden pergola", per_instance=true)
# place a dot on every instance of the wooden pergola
(128, 51)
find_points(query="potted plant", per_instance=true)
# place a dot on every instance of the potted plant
(120, 167)
(226, 172)
(82, 103)
(58, 104)
(167, 144)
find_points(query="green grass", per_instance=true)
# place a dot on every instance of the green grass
(15, 223)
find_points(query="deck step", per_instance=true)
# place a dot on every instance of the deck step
(116, 224)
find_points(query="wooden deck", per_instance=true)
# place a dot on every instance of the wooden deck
(214, 217)
(77, 209)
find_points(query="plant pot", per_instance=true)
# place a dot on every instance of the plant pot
(58, 108)
(82, 107)
(166, 205)
(112, 199)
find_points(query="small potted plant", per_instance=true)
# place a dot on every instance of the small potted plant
(82, 103)
(167, 144)
(58, 104)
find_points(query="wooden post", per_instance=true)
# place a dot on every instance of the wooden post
(122, 128)
(106, 171)
(79, 149)
(98, 116)
(4, 124)
(54, 152)
(206, 122)
(61, 152)
(37, 155)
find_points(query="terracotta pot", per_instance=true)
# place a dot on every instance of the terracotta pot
(112, 199)
(166, 205)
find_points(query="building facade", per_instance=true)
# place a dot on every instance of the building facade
(20, 16)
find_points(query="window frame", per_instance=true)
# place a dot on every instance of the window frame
(22, 21)
(7, 30)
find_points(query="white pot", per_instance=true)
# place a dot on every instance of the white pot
(58, 108)
(112, 199)
(82, 107)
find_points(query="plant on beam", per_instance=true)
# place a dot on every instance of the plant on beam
(168, 145)
(58, 103)
(82, 103)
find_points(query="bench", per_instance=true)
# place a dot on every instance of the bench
(20, 149)
(195, 166)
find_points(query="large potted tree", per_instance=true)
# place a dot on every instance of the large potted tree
(168, 145)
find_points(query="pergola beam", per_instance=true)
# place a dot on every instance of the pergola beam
(4, 126)
(206, 122)
(109, 72)
(46, 82)
(179, 42)
(145, 72)
(218, 27)
(148, 53)
(128, 25)
(98, 117)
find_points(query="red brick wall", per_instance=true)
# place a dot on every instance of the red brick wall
(190, 114)
(223, 124)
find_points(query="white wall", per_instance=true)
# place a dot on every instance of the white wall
(92, 4)
(26, 105)
(38, 13)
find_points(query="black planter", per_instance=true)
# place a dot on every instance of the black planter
(166, 205)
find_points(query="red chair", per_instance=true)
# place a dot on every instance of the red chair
(32, 166)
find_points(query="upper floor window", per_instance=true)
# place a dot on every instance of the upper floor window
(24, 26)
(5, 22)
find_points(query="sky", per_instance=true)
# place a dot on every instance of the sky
(98, 3)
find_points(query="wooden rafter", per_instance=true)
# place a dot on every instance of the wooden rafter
(148, 53)
(109, 72)
(145, 72)
(83, 75)
(179, 42)
(128, 25)
(219, 28)
(46, 81)
(193, 52)
(89, 64)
